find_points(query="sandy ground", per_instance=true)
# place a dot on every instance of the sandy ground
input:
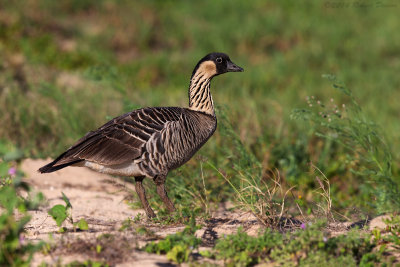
(102, 201)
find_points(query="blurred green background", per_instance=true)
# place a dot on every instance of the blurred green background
(66, 67)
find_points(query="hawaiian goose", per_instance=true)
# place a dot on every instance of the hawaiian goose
(149, 142)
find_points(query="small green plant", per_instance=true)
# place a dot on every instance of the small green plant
(132, 224)
(127, 224)
(179, 246)
(138, 218)
(60, 213)
(15, 250)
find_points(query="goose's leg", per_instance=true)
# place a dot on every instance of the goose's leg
(142, 195)
(159, 180)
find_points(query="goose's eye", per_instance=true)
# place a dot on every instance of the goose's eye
(219, 60)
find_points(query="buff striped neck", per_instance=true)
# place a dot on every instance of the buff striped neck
(200, 98)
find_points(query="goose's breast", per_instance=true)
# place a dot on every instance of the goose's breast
(183, 139)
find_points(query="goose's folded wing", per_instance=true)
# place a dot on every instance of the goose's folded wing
(120, 140)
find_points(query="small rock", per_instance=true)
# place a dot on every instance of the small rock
(378, 223)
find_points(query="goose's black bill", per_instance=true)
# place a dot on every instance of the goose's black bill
(232, 67)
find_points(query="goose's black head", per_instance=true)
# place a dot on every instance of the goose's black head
(215, 64)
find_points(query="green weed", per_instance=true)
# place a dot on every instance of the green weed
(60, 213)
(15, 250)
(134, 225)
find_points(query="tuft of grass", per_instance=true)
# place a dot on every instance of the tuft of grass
(259, 192)
(324, 190)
